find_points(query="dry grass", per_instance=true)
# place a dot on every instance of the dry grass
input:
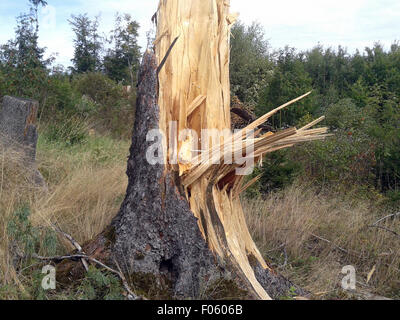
(309, 236)
(84, 203)
(86, 188)
(15, 186)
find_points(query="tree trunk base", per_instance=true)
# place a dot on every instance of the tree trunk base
(155, 239)
(212, 282)
(18, 131)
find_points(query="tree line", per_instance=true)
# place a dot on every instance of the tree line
(357, 92)
(93, 87)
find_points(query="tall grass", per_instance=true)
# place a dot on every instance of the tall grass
(16, 186)
(310, 235)
(86, 183)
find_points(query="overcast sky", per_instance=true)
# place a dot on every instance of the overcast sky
(354, 24)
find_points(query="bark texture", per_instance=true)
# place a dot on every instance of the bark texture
(155, 231)
(18, 131)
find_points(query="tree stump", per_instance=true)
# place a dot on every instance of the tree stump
(18, 131)
(182, 222)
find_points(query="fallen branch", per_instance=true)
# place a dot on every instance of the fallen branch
(75, 244)
(131, 295)
(386, 229)
(394, 215)
(347, 251)
(375, 225)
(337, 247)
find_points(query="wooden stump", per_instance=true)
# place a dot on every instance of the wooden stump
(18, 131)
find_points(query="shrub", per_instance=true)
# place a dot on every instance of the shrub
(99, 285)
(69, 132)
(348, 156)
(110, 106)
(278, 171)
(61, 96)
(101, 89)
(27, 239)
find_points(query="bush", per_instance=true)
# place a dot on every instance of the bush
(61, 97)
(27, 239)
(344, 115)
(110, 106)
(101, 89)
(278, 171)
(348, 156)
(100, 286)
(68, 132)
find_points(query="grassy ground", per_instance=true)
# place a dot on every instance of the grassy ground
(309, 235)
(306, 234)
(87, 183)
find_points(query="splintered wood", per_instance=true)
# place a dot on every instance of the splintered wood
(194, 91)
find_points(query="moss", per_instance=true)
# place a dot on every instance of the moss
(225, 289)
(290, 295)
(150, 286)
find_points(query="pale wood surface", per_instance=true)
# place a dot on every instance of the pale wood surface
(194, 90)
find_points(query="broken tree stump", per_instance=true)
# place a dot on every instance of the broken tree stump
(18, 131)
(182, 221)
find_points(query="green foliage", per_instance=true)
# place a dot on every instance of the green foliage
(61, 96)
(122, 61)
(278, 171)
(3, 84)
(383, 106)
(99, 285)
(88, 44)
(22, 232)
(112, 108)
(346, 157)
(291, 294)
(288, 81)
(27, 239)
(22, 62)
(98, 87)
(359, 94)
(249, 65)
(344, 115)
(7, 291)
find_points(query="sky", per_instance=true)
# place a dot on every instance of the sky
(354, 24)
